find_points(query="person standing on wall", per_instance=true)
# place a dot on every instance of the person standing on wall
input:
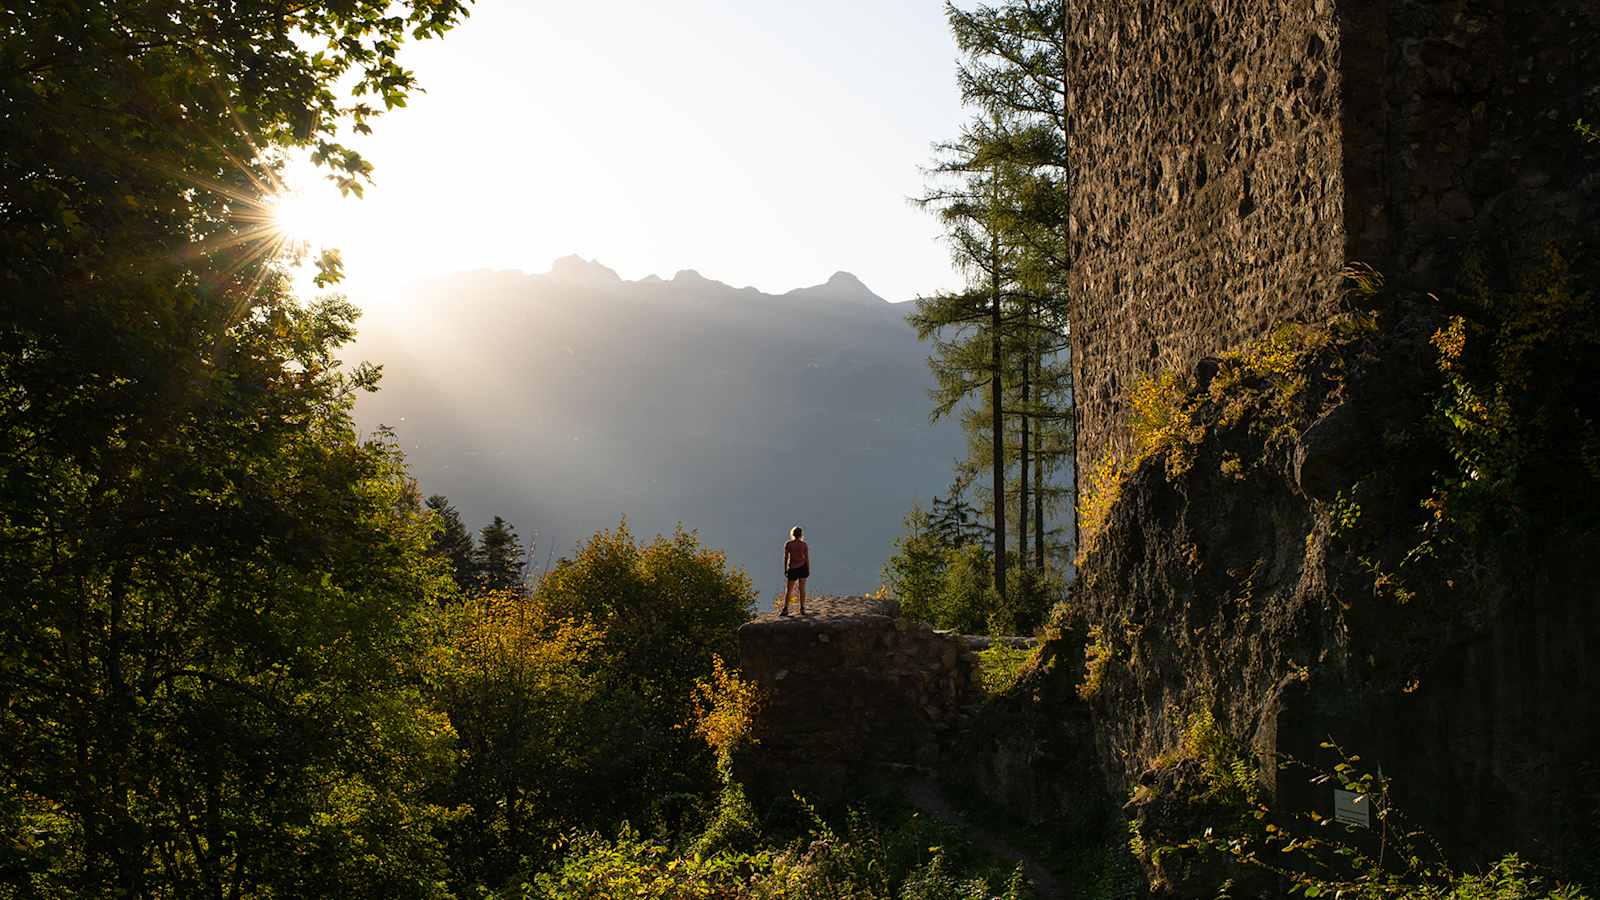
(796, 569)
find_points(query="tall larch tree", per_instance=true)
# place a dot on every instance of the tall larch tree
(1013, 68)
(968, 328)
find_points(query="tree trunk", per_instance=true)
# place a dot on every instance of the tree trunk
(1066, 220)
(1022, 484)
(997, 425)
(1038, 486)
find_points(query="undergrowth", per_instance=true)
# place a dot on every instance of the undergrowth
(1314, 856)
(881, 853)
(1097, 656)
(1000, 666)
(1229, 775)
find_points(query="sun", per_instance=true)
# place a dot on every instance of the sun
(300, 218)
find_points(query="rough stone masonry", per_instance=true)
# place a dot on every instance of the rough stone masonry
(1229, 157)
(848, 689)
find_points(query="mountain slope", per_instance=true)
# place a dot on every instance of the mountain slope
(568, 400)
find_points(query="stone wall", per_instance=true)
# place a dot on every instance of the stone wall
(857, 701)
(848, 690)
(1207, 200)
(1457, 120)
(1230, 156)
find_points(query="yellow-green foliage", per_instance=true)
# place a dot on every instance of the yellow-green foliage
(725, 707)
(1096, 499)
(1269, 381)
(634, 866)
(1136, 844)
(518, 687)
(1097, 655)
(1232, 466)
(663, 608)
(1000, 666)
(1229, 776)
(1163, 421)
(874, 857)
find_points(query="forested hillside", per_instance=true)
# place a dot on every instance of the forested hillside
(567, 400)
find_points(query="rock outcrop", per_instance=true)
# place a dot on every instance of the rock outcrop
(1275, 584)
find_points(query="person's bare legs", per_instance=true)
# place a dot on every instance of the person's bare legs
(802, 583)
(788, 589)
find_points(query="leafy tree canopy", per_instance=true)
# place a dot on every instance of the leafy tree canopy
(664, 609)
(214, 593)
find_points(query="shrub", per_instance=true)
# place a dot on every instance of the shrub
(1097, 655)
(724, 714)
(1030, 594)
(1315, 862)
(1000, 666)
(635, 866)
(914, 573)
(1229, 776)
(1162, 421)
(724, 706)
(967, 595)
(887, 854)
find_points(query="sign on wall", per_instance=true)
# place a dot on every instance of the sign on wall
(1350, 808)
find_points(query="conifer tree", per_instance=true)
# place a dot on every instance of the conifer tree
(500, 561)
(967, 327)
(953, 522)
(454, 542)
(1013, 71)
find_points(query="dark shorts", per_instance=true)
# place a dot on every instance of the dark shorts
(797, 573)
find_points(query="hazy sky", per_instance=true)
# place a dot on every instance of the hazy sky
(761, 142)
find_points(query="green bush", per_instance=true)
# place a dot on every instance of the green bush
(967, 596)
(914, 572)
(663, 611)
(1000, 666)
(882, 853)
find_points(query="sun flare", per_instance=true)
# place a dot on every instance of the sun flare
(300, 218)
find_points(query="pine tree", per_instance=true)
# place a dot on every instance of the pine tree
(500, 561)
(454, 542)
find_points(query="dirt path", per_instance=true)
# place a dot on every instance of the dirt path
(926, 796)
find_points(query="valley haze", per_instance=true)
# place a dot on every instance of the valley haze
(568, 400)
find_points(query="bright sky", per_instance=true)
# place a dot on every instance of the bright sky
(761, 142)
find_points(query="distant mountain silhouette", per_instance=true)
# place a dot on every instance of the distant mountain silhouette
(567, 400)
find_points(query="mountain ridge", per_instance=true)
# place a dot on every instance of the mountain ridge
(575, 268)
(568, 399)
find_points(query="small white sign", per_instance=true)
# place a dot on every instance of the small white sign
(1350, 808)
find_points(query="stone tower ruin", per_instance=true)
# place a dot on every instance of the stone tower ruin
(1229, 157)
